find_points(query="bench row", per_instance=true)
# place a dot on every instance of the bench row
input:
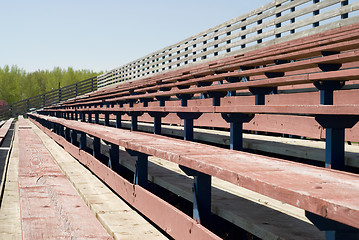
(276, 178)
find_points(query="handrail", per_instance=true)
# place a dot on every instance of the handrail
(48, 98)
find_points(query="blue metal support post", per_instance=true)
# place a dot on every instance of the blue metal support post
(114, 157)
(90, 117)
(141, 173)
(83, 141)
(202, 192)
(107, 119)
(118, 120)
(74, 137)
(236, 121)
(157, 126)
(188, 123)
(97, 118)
(96, 152)
(333, 230)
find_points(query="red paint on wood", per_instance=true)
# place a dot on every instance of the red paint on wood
(308, 187)
(50, 206)
(170, 219)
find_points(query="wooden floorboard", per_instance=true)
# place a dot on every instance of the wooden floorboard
(10, 225)
(116, 216)
(50, 208)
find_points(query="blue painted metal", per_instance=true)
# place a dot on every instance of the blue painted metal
(74, 138)
(82, 141)
(260, 93)
(184, 98)
(90, 117)
(188, 123)
(97, 118)
(236, 121)
(141, 172)
(335, 138)
(157, 125)
(201, 195)
(333, 230)
(114, 157)
(217, 97)
(96, 151)
(188, 129)
(327, 67)
(83, 117)
(67, 134)
(134, 124)
(163, 100)
(118, 120)
(157, 128)
(326, 89)
(62, 131)
(107, 119)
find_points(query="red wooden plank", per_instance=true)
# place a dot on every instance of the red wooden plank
(174, 222)
(307, 187)
(50, 207)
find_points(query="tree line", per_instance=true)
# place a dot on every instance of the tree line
(16, 84)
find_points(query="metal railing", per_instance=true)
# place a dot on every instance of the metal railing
(277, 21)
(48, 98)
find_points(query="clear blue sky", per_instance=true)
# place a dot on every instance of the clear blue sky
(101, 35)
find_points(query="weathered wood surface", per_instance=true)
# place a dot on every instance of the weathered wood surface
(240, 206)
(5, 128)
(10, 224)
(275, 178)
(298, 148)
(120, 220)
(50, 206)
(174, 222)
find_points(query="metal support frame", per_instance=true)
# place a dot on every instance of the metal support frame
(83, 117)
(107, 119)
(67, 134)
(74, 137)
(90, 117)
(184, 98)
(335, 138)
(134, 123)
(114, 158)
(326, 89)
(96, 151)
(188, 123)
(83, 141)
(236, 121)
(201, 195)
(216, 96)
(163, 100)
(145, 101)
(141, 172)
(333, 230)
(134, 119)
(118, 120)
(61, 130)
(260, 93)
(97, 118)
(157, 123)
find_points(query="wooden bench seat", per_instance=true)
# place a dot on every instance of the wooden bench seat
(5, 128)
(276, 178)
(255, 58)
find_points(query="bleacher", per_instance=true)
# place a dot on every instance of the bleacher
(265, 134)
